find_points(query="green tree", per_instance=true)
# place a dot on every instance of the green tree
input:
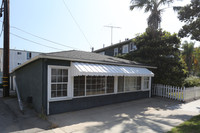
(190, 14)
(154, 7)
(188, 55)
(162, 51)
(197, 61)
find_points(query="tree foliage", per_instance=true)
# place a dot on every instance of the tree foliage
(162, 51)
(188, 54)
(152, 6)
(190, 14)
(191, 56)
(197, 61)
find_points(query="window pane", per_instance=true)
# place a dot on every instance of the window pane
(59, 93)
(59, 82)
(53, 93)
(59, 71)
(146, 83)
(64, 92)
(59, 78)
(64, 86)
(53, 71)
(131, 84)
(139, 83)
(79, 86)
(53, 78)
(110, 84)
(95, 85)
(65, 79)
(59, 87)
(65, 72)
(53, 87)
(120, 84)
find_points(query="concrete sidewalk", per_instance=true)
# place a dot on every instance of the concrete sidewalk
(153, 115)
(12, 120)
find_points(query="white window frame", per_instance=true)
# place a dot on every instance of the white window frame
(115, 51)
(149, 83)
(133, 47)
(49, 84)
(125, 49)
(102, 53)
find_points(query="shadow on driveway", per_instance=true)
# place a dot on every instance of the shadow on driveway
(12, 120)
(145, 115)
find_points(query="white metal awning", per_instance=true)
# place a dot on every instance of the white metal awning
(87, 69)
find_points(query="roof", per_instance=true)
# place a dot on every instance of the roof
(87, 57)
(114, 45)
(88, 69)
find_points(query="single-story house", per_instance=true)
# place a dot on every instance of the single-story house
(73, 80)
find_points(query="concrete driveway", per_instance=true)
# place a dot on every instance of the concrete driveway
(150, 115)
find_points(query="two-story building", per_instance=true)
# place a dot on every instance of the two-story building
(118, 48)
(17, 57)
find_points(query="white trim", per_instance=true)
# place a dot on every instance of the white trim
(49, 99)
(149, 86)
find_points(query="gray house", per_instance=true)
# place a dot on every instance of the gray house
(118, 48)
(73, 80)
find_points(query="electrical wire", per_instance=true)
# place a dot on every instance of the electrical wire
(33, 41)
(77, 23)
(43, 38)
(13, 27)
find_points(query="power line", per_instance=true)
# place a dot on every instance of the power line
(77, 24)
(43, 38)
(33, 41)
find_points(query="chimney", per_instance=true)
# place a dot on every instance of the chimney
(92, 49)
(103, 45)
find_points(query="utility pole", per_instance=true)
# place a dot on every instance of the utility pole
(111, 27)
(6, 41)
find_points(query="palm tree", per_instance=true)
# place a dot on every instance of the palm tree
(188, 50)
(153, 6)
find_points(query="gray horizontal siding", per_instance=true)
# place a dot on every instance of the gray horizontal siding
(89, 102)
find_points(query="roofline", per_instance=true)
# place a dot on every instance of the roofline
(78, 60)
(98, 50)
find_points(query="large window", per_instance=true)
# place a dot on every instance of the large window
(115, 51)
(79, 86)
(59, 82)
(120, 84)
(146, 83)
(95, 85)
(125, 49)
(110, 85)
(132, 83)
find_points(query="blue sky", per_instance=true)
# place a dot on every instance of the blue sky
(50, 19)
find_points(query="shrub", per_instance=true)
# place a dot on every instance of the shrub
(192, 81)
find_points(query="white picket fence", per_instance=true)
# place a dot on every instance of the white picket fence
(177, 93)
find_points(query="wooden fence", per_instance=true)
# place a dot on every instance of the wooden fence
(177, 93)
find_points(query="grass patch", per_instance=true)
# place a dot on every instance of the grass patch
(190, 126)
